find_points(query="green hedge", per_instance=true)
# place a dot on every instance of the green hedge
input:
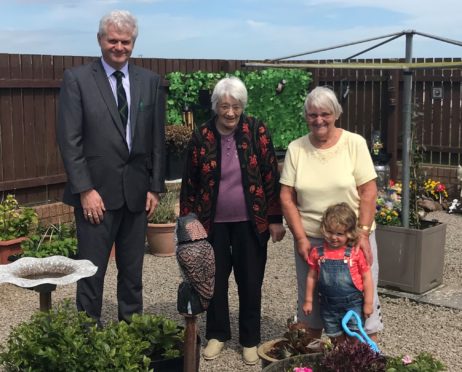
(282, 112)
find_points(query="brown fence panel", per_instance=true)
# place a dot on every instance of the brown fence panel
(30, 163)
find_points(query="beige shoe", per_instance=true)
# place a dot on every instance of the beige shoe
(213, 349)
(250, 356)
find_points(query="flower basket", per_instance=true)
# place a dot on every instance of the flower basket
(176, 140)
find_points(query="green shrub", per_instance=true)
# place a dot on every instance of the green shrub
(282, 112)
(51, 241)
(164, 336)
(15, 222)
(424, 362)
(66, 340)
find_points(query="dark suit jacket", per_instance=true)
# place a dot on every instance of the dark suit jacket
(92, 139)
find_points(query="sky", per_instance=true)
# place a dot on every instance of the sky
(236, 29)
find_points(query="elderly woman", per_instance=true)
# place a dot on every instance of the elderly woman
(231, 181)
(328, 166)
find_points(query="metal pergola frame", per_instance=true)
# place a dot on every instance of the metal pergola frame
(407, 68)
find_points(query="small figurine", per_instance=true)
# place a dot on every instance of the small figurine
(455, 207)
(280, 87)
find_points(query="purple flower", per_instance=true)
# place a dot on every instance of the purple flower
(302, 369)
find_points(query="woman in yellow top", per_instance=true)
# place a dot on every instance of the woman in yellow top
(327, 166)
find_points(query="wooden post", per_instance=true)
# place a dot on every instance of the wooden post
(190, 344)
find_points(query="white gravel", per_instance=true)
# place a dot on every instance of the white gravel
(410, 327)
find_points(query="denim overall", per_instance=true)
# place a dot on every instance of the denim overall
(337, 293)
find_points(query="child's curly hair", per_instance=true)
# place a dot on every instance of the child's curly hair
(341, 215)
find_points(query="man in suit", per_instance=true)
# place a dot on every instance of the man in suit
(111, 136)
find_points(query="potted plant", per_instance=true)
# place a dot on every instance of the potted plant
(15, 224)
(411, 258)
(176, 139)
(296, 341)
(160, 232)
(53, 240)
(355, 356)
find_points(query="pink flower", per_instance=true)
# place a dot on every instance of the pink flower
(440, 187)
(302, 369)
(407, 360)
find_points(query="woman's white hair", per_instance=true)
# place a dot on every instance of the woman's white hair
(123, 20)
(323, 98)
(230, 87)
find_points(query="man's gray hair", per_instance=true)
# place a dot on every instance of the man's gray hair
(123, 20)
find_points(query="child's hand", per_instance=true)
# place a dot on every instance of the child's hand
(367, 310)
(308, 307)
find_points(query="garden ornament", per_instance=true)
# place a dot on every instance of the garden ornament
(197, 263)
(43, 274)
(455, 207)
(363, 337)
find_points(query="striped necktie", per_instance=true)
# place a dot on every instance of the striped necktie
(122, 104)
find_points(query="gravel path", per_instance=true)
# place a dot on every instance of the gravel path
(410, 327)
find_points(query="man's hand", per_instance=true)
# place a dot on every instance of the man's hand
(93, 206)
(152, 200)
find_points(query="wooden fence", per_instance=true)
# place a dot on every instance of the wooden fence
(30, 164)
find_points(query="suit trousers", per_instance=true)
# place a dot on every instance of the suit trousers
(236, 248)
(127, 230)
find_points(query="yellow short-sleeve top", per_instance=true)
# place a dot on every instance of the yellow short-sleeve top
(322, 177)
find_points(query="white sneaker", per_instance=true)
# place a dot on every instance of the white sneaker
(213, 349)
(250, 356)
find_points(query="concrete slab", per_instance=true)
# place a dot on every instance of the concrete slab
(444, 295)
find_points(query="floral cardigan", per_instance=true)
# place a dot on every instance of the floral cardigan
(260, 175)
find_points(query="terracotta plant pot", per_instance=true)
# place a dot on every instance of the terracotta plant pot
(161, 239)
(10, 248)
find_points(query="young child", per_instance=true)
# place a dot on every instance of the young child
(343, 277)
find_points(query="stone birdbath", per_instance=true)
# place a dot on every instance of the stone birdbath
(44, 274)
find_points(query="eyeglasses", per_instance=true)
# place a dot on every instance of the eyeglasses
(322, 115)
(226, 108)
